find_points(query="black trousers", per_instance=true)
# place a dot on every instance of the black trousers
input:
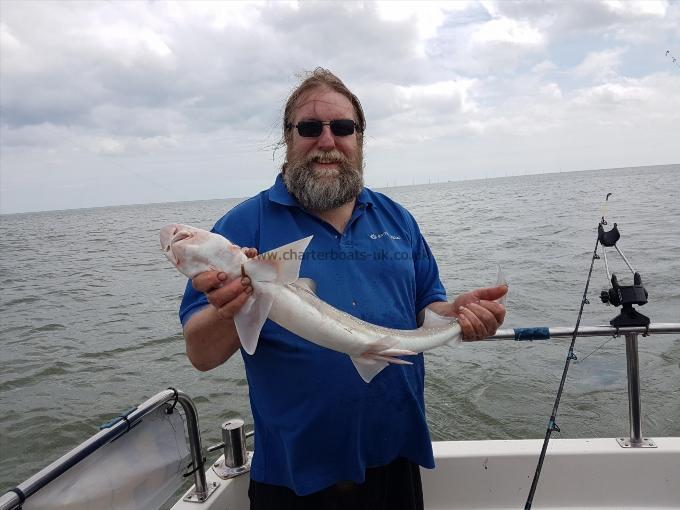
(395, 486)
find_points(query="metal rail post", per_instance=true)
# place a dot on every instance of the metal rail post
(634, 407)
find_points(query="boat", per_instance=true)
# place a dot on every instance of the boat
(630, 472)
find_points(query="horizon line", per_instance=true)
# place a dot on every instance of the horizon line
(378, 188)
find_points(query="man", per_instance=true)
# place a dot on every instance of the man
(325, 438)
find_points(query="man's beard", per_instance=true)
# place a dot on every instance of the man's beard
(324, 189)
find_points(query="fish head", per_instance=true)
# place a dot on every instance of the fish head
(194, 250)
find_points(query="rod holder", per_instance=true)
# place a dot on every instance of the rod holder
(234, 437)
(236, 459)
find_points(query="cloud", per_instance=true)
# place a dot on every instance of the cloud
(427, 16)
(451, 96)
(508, 31)
(108, 146)
(35, 135)
(8, 41)
(562, 18)
(162, 87)
(628, 96)
(637, 9)
(200, 62)
(601, 65)
(424, 112)
(544, 66)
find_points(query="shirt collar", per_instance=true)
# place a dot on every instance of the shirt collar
(279, 193)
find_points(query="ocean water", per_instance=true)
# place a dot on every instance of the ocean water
(89, 321)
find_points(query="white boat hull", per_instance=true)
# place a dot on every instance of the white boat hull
(577, 474)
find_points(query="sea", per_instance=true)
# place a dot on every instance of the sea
(89, 324)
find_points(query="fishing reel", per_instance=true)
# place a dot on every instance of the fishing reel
(624, 296)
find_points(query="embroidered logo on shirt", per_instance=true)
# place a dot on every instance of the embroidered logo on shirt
(384, 234)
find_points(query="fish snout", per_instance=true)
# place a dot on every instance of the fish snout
(180, 235)
(167, 234)
(170, 235)
(174, 233)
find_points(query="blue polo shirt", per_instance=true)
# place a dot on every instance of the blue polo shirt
(316, 421)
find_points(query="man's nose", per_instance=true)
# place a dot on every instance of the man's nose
(326, 139)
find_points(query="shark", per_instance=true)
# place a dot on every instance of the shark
(281, 295)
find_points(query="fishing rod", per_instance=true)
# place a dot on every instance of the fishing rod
(618, 295)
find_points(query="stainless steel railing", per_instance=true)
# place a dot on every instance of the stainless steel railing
(13, 501)
(557, 332)
(631, 335)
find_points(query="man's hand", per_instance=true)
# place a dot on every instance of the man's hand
(210, 335)
(478, 314)
(227, 296)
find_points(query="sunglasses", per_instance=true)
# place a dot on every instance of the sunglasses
(313, 128)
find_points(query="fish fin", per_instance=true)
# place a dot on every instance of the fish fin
(388, 358)
(307, 284)
(396, 352)
(368, 368)
(281, 265)
(379, 355)
(500, 280)
(434, 320)
(250, 319)
(385, 349)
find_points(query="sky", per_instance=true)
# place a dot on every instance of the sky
(111, 103)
